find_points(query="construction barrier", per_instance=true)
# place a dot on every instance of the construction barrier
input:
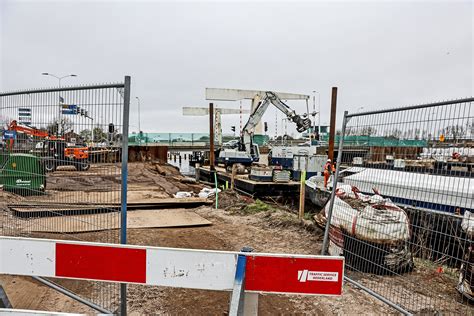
(26, 312)
(171, 267)
(184, 268)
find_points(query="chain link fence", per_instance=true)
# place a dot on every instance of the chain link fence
(60, 170)
(401, 213)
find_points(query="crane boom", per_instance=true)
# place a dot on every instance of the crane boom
(302, 124)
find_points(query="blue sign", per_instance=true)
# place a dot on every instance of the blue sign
(9, 135)
(69, 109)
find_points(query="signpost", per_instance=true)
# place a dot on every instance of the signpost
(24, 116)
(69, 109)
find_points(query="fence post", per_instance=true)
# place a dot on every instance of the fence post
(302, 193)
(238, 292)
(334, 183)
(123, 224)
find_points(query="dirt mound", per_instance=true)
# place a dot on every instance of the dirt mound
(105, 177)
(272, 214)
(164, 176)
(232, 201)
(163, 169)
(7, 197)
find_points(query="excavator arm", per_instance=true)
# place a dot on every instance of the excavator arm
(14, 126)
(302, 124)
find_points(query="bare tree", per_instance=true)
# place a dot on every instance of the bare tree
(366, 131)
(395, 133)
(59, 126)
(455, 132)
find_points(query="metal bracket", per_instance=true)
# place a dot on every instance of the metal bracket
(4, 301)
(238, 295)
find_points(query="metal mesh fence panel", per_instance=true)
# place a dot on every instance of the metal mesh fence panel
(401, 210)
(60, 170)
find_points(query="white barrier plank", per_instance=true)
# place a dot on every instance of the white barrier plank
(27, 257)
(196, 269)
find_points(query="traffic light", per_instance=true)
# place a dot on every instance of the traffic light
(111, 128)
(83, 112)
(232, 128)
(265, 126)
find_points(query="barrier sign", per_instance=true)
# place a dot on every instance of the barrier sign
(310, 275)
(185, 268)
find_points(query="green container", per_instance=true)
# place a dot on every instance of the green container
(22, 174)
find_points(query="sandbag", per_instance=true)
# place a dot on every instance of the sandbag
(385, 225)
(467, 223)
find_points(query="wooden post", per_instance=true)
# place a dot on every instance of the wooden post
(302, 194)
(332, 125)
(196, 168)
(232, 179)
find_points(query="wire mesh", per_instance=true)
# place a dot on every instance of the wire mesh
(60, 170)
(401, 214)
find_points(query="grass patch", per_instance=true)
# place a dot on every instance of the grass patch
(308, 216)
(257, 207)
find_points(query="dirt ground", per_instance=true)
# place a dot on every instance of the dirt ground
(238, 222)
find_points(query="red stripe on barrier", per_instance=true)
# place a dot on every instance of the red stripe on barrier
(101, 263)
(294, 275)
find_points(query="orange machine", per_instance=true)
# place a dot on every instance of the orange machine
(57, 151)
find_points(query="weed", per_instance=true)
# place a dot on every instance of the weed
(257, 207)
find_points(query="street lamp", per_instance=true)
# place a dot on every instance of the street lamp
(139, 128)
(319, 113)
(57, 77)
(138, 101)
(60, 99)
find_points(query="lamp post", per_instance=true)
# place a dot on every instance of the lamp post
(319, 112)
(57, 77)
(285, 128)
(138, 101)
(59, 81)
(139, 128)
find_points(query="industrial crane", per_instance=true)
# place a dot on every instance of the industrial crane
(248, 151)
(247, 145)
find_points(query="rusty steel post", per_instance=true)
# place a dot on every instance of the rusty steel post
(332, 126)
(211, 136)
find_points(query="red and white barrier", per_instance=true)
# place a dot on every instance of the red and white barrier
(26, 312)
(185, 268)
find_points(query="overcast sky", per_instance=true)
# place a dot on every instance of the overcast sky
(379, 54)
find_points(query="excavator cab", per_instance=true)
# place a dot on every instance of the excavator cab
(60, 154)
